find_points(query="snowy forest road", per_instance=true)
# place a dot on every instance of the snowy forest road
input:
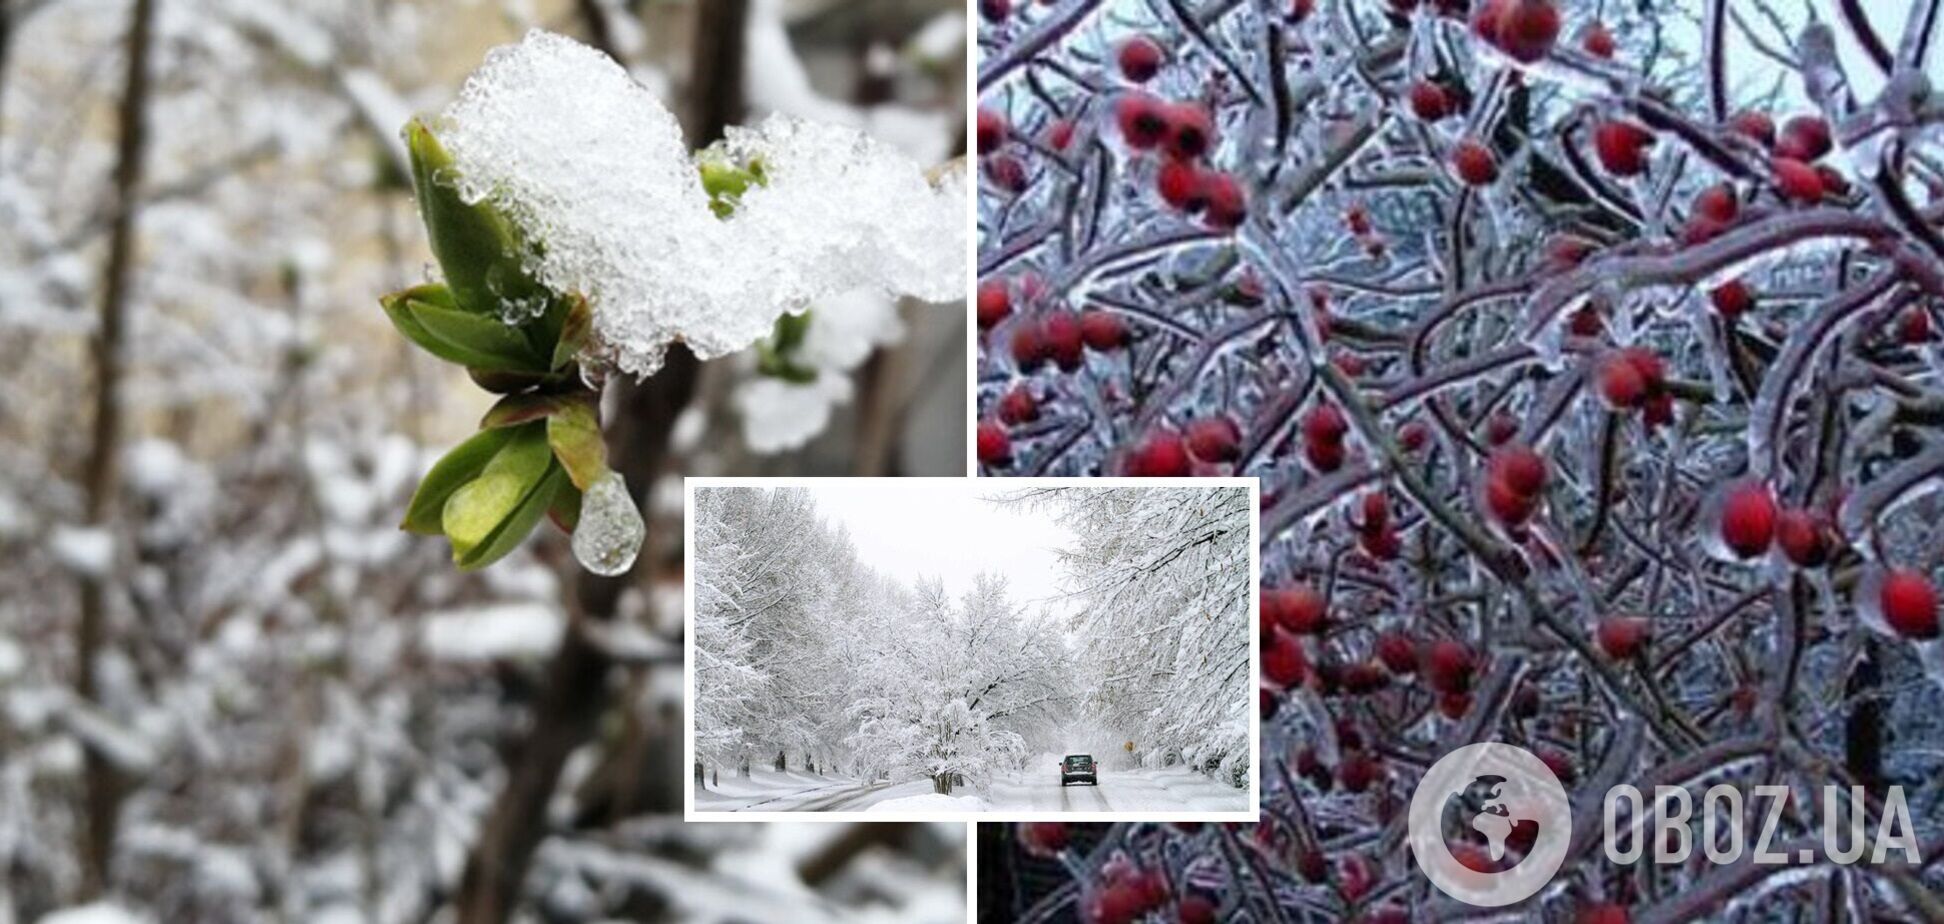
(1132, 790)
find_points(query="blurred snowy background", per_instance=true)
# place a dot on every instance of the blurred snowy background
(296, 711)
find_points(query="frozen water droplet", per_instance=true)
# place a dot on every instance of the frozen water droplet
(610, 530)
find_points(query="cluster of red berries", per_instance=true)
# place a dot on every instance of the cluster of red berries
(1635, 379)
(1124, 893)
(1324, 432)
(1184, 133)
(1376, 534)
(1056, 337)
(1515, 482)
(1524, 30)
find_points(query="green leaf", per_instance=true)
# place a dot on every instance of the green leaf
(489, 515)
(575, 328)
(519, 409)
(452, 471)
(476, 245)
(505, 349)
(725, 182)
(397, 308)
(574, 432)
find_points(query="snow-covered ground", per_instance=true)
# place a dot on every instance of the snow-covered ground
(1173, 789)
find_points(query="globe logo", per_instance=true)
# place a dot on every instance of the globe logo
(1505, 797)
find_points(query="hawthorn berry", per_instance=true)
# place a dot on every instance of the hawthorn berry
(1717, 204)
(1908, 602)
(1059, 135)
(1601, 913)
(1447, 666)
(1803, 137)
(1195, 909)
(1060, 339)
(1732, 299)
(1227, 205)
(1029, 351)
(995, 448)
(1756, 126)
(1005, 172)
(1399, 652)
(992, 131)
(1297, 608)
(1518, 468)
(1018, 406)
(1804, 537)
(1622, 637)
(1162, 454)
(1429, 101)
(1139, 58)
(1214, 440)
(1526, 29)
(1621, 383)
(1143, 120)
(1102, 331)
(1797, 180)
(1622, 147)
(1283, 661)
(1748, 519)
(1043, 838)
(1597, 41)
(1474, 163)
(1180, 184)
(994, 303)
(995, 11)
(1915, 326)
(1190, 131)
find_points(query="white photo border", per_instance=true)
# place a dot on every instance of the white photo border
(689, 812)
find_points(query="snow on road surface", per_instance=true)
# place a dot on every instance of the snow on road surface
(1173, 789)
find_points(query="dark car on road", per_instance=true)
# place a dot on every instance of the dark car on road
(1078, 768)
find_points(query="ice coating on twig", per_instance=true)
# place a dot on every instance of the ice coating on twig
(595, 172)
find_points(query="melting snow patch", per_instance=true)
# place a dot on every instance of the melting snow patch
(513, 630)
(588, 162)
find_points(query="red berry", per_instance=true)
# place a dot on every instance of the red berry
(1586, 322)
(1195, 909)
(1603, 913)
(1506, 505)
(1376, 512)
(1909, 604)
(1717, 203)
(1413, 436)
(1227, 206)
(1298, 608)
(1324, 457)
(1005, 172)
(1140, 59)
(995, 303)
(1358, 219)
(1915, 326)
(1732, 299)
(1474, 162)
(1501, 428)
(995, 448)
(1363, 678)
(1622, 147)
(1028, 350)
(1043, 838)
(1325, 424)
(1804, 137)
(992, 131)
(1018, 406)
(1519, 469)
(1300, 10)
(1060, 336)
(1180, 184)
(1059, 135)
(1142, 119)
(1622, 637)
(1756, 126)
(1567, 250)
(1597, 41)
(1797, 180)
(1283, 661)
(1161, 455)
(1190, 131)
(1454, 705)
(1804, 536)
(1102, 331)
(1621, 383)
(1429, 101)
(1748, 519)
(1526, 29)
(1214, 440)
(1398, 651)
(1382, 545)
(1358, 770)
(995, 11)
(1447, 666)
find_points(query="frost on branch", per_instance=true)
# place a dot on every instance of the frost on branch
(594, 172)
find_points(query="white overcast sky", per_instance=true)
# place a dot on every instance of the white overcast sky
(942, 527)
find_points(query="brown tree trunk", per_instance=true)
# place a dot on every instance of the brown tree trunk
(575, 694)
(102, 787)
